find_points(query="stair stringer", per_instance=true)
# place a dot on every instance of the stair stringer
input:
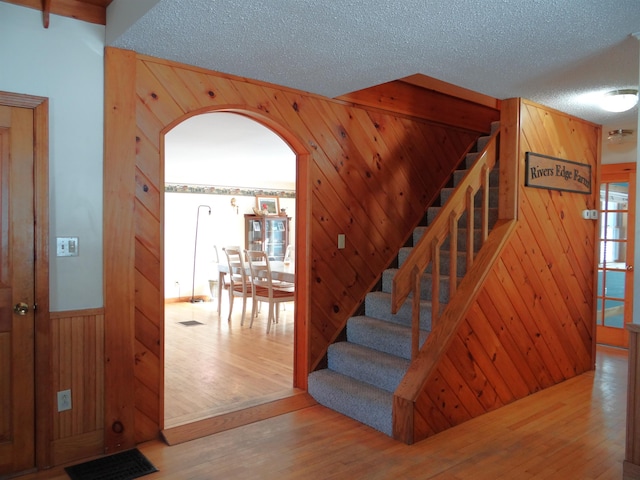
(415, 416)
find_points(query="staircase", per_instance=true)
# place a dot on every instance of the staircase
(364, 371)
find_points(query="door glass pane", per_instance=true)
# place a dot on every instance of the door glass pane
(614, 280)
(614, 204)
(614, 313)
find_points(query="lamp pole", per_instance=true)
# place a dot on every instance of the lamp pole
(195, 249)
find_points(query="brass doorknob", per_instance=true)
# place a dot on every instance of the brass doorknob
(629, 268)
(21, 308)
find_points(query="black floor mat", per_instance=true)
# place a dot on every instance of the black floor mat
(120, 466)
(191, 323)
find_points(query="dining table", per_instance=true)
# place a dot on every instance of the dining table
(280, 271)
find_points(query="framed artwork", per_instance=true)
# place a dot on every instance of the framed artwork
(271, 204)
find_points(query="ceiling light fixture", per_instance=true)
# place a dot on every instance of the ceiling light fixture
(620, 100)
(619, 135)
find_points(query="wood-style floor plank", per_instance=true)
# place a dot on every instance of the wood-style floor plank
(573, 430)
(215, 367)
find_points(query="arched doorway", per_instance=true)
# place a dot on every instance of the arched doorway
(216, 164)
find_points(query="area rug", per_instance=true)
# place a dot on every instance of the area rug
(191, 323)
(120, 466)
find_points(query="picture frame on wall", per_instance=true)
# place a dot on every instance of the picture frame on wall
(270, 203)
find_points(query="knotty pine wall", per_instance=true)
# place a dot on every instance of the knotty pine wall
(533, 323)
(362, 171)
(77, 363)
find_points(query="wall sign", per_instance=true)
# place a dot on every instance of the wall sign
(553, 173)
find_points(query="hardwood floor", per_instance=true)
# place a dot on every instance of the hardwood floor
(574, 430)
(214, 367)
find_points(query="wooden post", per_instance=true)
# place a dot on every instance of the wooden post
(415, 314)
(119, 248)
(631, 466)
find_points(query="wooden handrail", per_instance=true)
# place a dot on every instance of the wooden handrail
(427, 250)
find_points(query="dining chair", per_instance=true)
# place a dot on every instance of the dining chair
(239, 280)
(264, 288)
(220, 282)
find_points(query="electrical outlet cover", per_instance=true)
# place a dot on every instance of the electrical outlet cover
(64, 400)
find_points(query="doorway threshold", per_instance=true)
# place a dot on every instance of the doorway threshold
(220, 423)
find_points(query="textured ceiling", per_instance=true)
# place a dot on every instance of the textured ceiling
(555, 52)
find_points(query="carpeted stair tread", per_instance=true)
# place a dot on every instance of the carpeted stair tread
(364, 371)
(383, 336)
(353, 398)
(376, 368)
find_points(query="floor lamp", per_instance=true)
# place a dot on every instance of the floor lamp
(195, 249)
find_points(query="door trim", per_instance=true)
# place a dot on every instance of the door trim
(42, 349)
(608, 171)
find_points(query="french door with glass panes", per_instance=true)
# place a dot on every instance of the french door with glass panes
(615, 265)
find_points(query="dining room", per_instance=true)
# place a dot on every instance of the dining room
(229, 181)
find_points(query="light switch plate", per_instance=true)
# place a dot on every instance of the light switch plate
(67, 246)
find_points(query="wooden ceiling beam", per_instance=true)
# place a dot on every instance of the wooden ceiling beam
(46, 10)
(92, 11)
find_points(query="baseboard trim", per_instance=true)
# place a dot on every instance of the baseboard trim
(220, 423)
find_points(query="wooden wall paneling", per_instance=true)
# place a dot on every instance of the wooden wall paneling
(147, 374)
(180, 91)
(474, 347)
(119, 246)
(205, 91)
(531, 324)
(511, 336)
(168, 92)
(474, 377)
(521, 310)
(383, 162)
(430, 83)
(428, 418)
(407, 99)
(468, 397)
(78, 362)
(340, 171)
(508, 367)
(155, 97)
(444, 398)
(348, 175)
(153, 115)
(356, 274)
(540, 311)
(558, 272)
(410, 145)
(357, 144)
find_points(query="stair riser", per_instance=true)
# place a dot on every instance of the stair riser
(462, 240)
(358, 381)
(426, 284)
(375, 368)
(494, 177)
(445, 263)
(445, 193)
(378, 305)
(372, 409)
(383, 336)
(432, 212)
